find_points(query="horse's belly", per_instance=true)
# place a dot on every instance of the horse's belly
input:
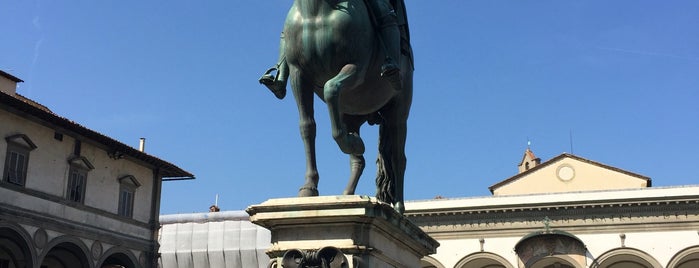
(366, 99)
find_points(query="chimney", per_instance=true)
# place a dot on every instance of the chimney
(142, 145)
(8, 83)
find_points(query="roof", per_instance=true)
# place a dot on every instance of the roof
(32, 102)
(27, 108)
(507, 203)
(235, 215)
(555, 159)
(11, 77)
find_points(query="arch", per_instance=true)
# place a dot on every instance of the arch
(118, 257)
(625, 257)
(66, 251)
(16, 245)
(483, 259)
(561, 261)
(430, 262)
(548, 247)
(686, 258)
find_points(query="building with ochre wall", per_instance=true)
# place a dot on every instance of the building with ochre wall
(72, 197)
(568, 212)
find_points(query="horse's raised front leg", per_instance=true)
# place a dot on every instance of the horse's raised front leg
(303, 93)
(349, 77)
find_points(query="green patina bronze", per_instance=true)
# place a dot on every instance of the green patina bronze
(354, 55)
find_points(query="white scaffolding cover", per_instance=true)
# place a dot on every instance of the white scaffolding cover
(215, 239)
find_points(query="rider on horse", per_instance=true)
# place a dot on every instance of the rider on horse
(390, 23)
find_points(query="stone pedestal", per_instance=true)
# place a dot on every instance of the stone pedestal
(369, 233)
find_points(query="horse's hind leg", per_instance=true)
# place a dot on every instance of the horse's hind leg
(303, 93)
(350, 76)
(392, 161)
(357, 162)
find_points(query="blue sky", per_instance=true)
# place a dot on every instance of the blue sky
(619, 77)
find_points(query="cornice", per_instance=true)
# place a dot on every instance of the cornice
(66, 226)
(553, 205)
(589, 217)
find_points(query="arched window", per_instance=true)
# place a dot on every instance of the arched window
(626, 258)
(686, 258)
(429, 262)
(66, 252)
(551, 249)
(483, 260)
(15, 247)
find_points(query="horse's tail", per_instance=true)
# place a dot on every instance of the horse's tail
(385, 187)
(385, 175)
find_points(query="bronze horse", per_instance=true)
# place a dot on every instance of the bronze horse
(330, 48)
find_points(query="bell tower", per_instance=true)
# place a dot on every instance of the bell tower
(529, 161)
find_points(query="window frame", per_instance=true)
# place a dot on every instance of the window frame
(78, 170)
(127, 195)
(4, 263)
(21, 146)
(126, 198)
(77, 178)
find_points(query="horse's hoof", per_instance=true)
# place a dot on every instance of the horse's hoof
(351, 144)
(399, 207)
(307, 191)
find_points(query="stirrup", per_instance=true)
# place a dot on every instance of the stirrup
(267, 78)
(270, 81)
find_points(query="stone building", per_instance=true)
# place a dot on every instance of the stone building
(566, 212)
(72, 197)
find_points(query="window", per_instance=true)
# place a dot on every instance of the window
(16, 166)
(17, 159)
(77, 178)
(127, 190)
(126, 202)
(76, 184)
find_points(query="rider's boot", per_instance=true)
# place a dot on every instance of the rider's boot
(275, 78)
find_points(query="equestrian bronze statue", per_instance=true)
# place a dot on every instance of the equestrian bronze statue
(355, 55)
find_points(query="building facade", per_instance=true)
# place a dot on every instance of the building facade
(634, 228)
(72, 197)
(567, 212)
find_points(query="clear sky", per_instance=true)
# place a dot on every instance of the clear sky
(612, 81)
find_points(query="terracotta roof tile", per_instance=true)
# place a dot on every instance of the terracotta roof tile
(34, 111)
